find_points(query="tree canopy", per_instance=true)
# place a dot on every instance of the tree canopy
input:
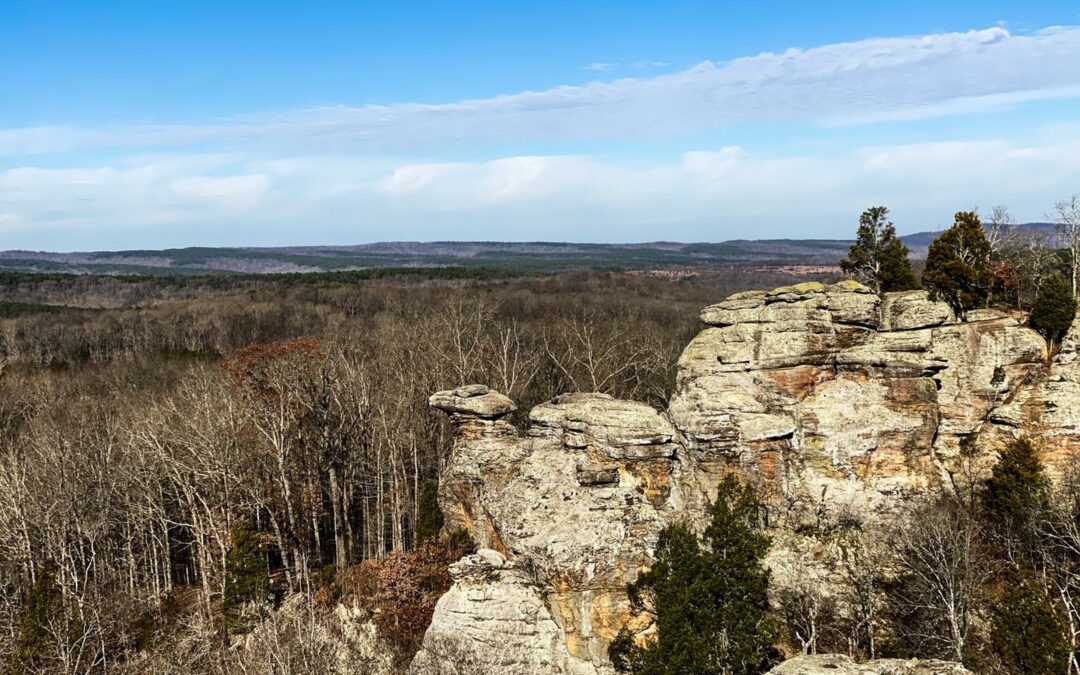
(878, 258)
(958, 264)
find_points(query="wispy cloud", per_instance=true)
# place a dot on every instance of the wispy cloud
(641, 65)
(847, 83)
(601, 67)
(700, 195)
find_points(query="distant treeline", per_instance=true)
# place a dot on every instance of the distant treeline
(114, 291)
(228, 279)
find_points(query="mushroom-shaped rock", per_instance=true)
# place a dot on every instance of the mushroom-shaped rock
(473, 400)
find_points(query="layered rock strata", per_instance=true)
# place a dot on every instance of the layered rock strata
(831, 399)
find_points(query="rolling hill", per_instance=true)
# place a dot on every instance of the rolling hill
(518, 256)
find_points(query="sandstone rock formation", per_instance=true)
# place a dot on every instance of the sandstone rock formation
(836, 394)
(831, 398)
(495, 612)
(833, 664)
(577, 501)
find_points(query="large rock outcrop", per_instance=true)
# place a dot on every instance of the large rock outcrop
(577, 500)
(831, 398)
(834, 393)
(833, 664)
(496, 616)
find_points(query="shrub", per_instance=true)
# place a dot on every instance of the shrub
(409, 585)
(401, 592)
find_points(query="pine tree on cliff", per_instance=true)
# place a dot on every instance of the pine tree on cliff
(958, 264)
(878, 258)
(709, 602)
(1054, 310)
(1027, 632)
(429, 519)
(1016, 492)
(1017, 487)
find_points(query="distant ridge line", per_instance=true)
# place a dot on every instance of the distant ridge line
(525, 257)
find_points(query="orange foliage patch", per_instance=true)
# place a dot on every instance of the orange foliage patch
(264, 371)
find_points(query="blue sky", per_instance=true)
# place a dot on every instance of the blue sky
(144, 125)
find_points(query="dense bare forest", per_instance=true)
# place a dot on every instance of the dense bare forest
(139, 440)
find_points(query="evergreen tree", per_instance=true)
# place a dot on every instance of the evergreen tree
(247, 579)
(878, 258)
(711, 604)
(1027, 632)
(958, 264)
(738, 580)
(429, 520)
(674, 589)
(1016, 488)
(1054, 310)
(36, 629)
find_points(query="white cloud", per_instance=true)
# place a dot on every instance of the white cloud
(168, 191)
(727, 193)
(235, 189)
(870, 80)
(601, 67)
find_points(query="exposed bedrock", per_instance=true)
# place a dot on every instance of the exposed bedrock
(832, 664)
(830, 398)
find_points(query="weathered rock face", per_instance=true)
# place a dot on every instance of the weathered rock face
(578, 500)
(834, 664)
(835, 393)
(831, 398)
(495, 614)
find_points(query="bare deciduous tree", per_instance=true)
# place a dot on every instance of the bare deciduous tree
(938, 552)
(864, 563)
(1066, 215)
(1001, 228)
